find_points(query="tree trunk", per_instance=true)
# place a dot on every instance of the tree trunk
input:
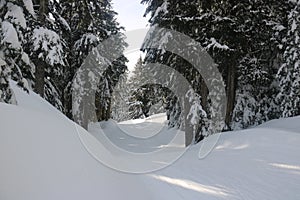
(204, 103)
(40, 77)
(204, 95)
(231, 87)
(40, 63)
(189, 133)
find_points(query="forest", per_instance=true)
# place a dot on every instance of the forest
(255, 45)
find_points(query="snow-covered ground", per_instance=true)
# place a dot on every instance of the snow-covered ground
(43, 158)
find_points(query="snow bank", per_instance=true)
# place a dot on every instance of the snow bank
(42, 157)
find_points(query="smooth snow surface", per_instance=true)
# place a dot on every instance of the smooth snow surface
(42, 157)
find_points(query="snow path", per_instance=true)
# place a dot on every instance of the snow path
(239, 168)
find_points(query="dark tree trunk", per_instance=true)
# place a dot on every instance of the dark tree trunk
(68, 102)
(231, 90)
(189, 133)
(204, 103)
(204, 95)
(103, 113)
(40, 77)
(40, 63)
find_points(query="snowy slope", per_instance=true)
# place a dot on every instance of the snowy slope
(42, 158)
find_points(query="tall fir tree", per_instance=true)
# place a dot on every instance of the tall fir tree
(91, 23)
(15, 19)
(200, 21)
(138, 100)
(289, 73)
(261, 57)
(48, 51)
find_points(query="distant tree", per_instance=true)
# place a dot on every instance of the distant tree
(135, 101)
(146, 98)
(120, 99)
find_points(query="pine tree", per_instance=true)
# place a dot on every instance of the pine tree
(146, 98)
(6, 94)
(196, 20)
(256, 83)
(91, 23)
(246, 41)
(289, 72)
(120, 99)
(134, 82)
(47, 51)
(15, 63)
(135, 100)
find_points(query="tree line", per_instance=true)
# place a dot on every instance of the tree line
(255, 45)
(44, 43)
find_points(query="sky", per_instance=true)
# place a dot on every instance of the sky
(130, 16)
(130, 13)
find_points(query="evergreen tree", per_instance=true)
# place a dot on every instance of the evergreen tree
(120, 99)
(289, 72)
(91, 23)
(246, 41)
(15, 63)
(48, 51)
(6, 93)
(135, 102)
(146, 98)
(256, 83)
(196, 21)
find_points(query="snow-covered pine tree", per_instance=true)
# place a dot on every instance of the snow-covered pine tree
(6, 93)
(108, 27)
(135, 81)
(137, 76)
(260, 58)
(120, 99)
(15, 16)
(208, 24)
(289, 73)
(92, 22)
(146, 99)
(48, 51)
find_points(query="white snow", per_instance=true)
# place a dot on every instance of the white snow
(10, 35)
(2, 62)
(163, 8)
(26, 58)
(65, 23)
(42, 157)
(29, 6)
(15, 13)
(216, 44)
(50, 44)
(86, 39)
(294, 26)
